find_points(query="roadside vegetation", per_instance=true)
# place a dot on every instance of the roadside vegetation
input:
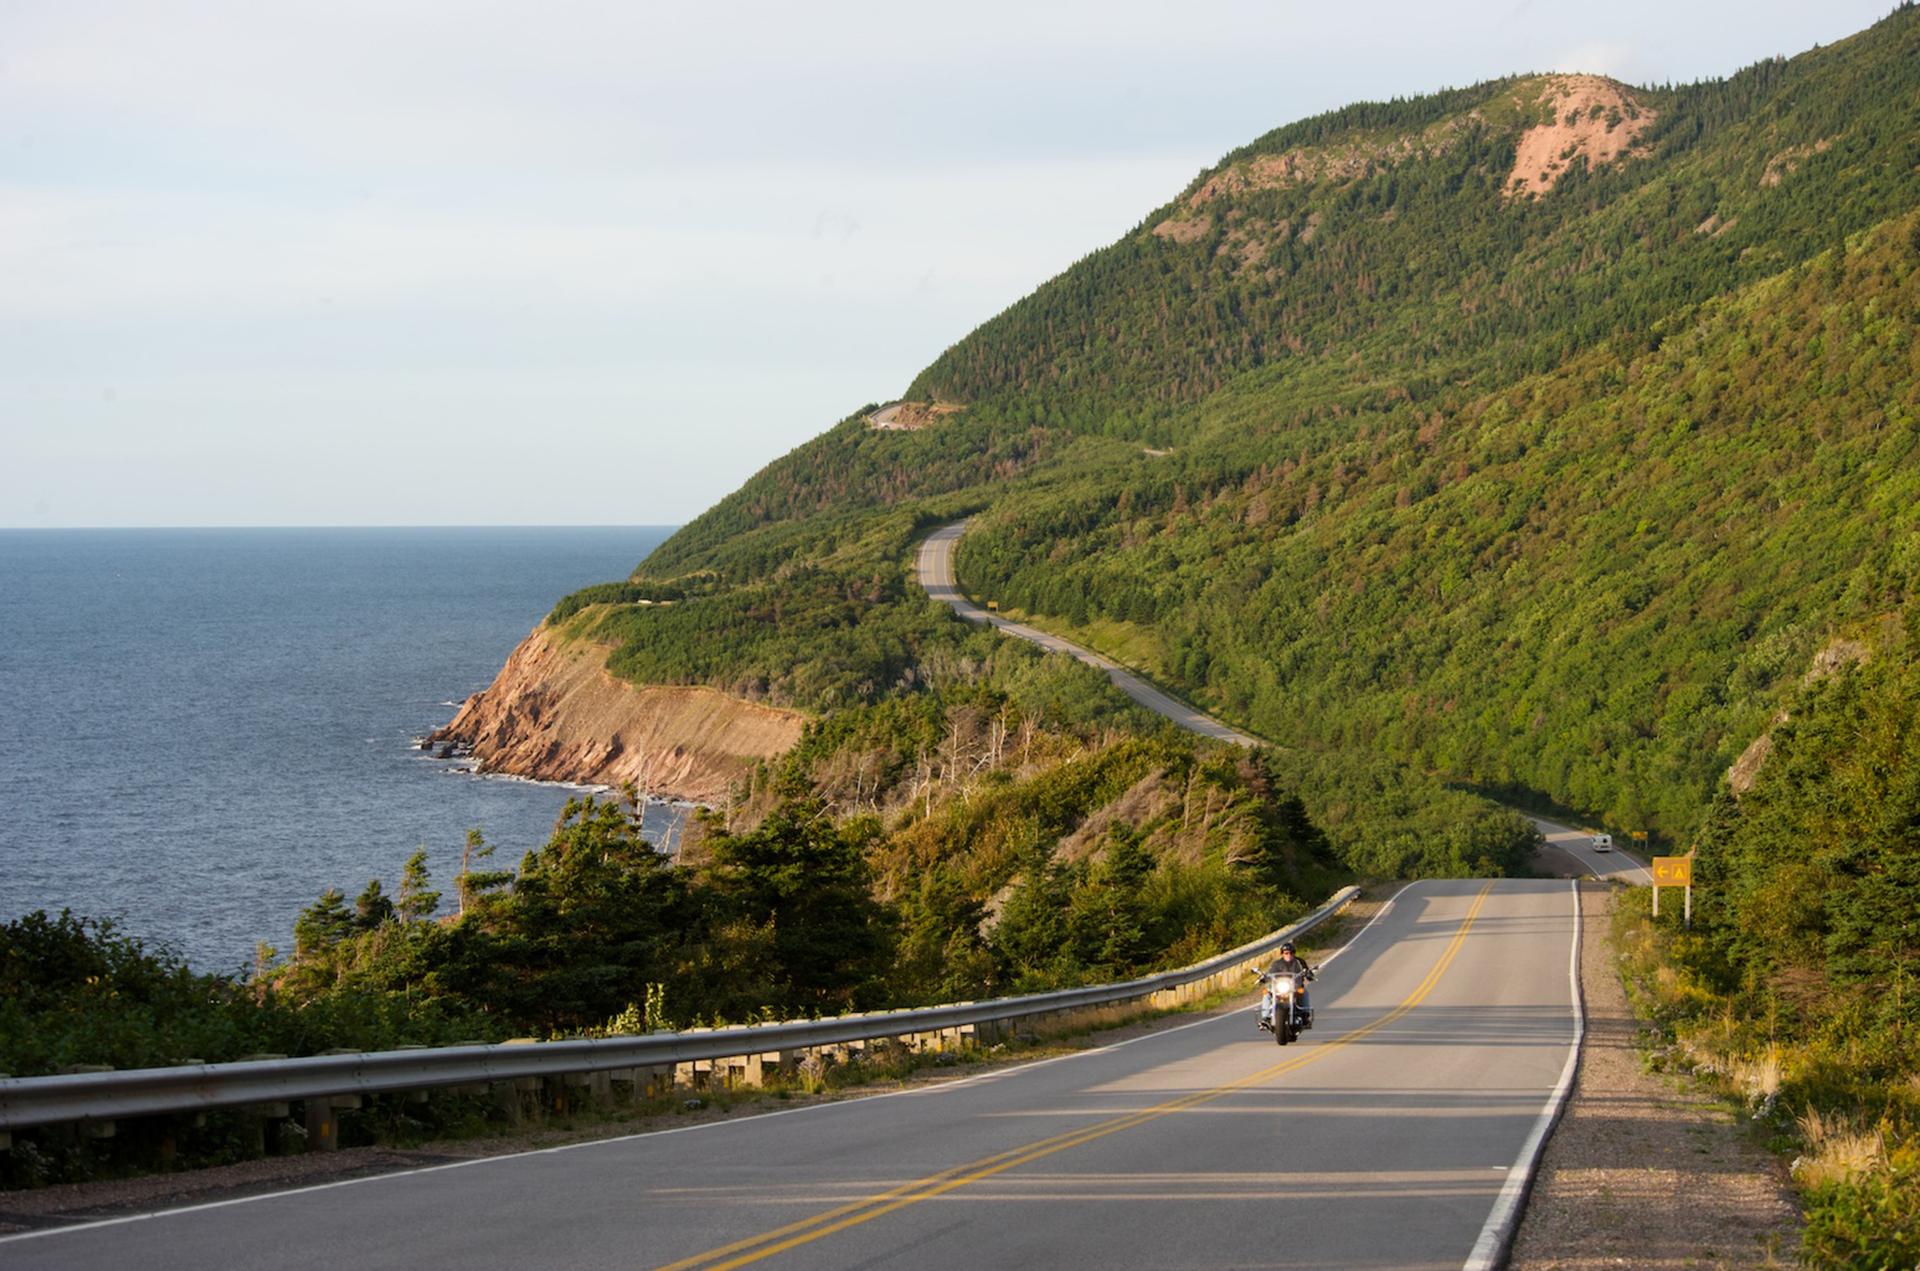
(1795, 989)
(919, 851)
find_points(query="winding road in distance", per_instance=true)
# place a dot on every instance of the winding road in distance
(935, 567)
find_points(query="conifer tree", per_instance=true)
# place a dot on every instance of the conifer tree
(417, 899)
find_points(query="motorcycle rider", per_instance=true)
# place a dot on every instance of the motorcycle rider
(1289, 964)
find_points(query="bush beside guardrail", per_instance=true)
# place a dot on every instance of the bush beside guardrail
(93, 1101)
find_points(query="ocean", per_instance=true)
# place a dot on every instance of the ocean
(200, 730)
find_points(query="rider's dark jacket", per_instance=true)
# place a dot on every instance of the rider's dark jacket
(1290, 966)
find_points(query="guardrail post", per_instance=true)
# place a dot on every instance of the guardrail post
(92, 1129)
(479, 1089)
(506, 1100)
(323, 1126)
(6, 1136)
(415, 1096)
(323, 1113)
(575, 1090)
(752, 1070)
(260, 1115)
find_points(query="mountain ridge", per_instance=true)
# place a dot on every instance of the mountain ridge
(1395, 332)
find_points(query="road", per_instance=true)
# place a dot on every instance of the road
(1565, 843)
(1385, 1138)
(935, 566)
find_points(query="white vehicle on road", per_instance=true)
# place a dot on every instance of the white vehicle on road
(1602, 843)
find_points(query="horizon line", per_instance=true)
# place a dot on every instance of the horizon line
(436, 525)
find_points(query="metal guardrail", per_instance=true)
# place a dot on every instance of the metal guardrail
(109, 1096)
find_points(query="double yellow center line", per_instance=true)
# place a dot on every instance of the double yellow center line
(780, 1239)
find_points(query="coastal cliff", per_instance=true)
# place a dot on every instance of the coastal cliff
(554, 713)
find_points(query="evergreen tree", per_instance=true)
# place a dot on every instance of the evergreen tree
(372, 908)
(417, 899)
(322, 924)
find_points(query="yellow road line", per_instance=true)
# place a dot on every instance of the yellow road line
(754, 1248)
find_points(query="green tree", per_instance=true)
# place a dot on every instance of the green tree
(471, 883)
(417, 898)
(323, 924)
(805, 881)
(373, 907)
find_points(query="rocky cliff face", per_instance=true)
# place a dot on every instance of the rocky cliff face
(554, 713)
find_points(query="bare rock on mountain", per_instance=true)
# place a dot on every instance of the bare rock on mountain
(1590, 118)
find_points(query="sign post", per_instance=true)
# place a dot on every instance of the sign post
(1673, 871)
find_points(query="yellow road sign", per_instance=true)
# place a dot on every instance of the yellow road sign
(1673, 871)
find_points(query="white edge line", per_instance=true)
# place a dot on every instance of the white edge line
(1496, 1237)
(977, 1079)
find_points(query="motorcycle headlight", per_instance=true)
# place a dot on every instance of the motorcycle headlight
(1283, 985)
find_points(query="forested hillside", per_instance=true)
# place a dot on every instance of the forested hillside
(1548, 440)
(1526, 434)
(1592, 583)
(1386, 238)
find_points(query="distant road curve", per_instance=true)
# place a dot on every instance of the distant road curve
(935, 565)
(936, 575)
(1576, 845)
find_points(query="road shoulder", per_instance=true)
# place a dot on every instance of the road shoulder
(1644, 1170)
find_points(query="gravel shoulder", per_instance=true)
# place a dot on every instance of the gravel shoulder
(1647, 1170)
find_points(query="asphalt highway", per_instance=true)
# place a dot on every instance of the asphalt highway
(1384, 1138)
(935, 567)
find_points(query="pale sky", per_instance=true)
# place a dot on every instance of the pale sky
(396, 262)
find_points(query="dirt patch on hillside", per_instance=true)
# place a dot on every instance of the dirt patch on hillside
(554, 713)
(1184, 229)
(1593, 118)
(1356, 156)
(1836, 655)
(910, 416)
(1787, 162)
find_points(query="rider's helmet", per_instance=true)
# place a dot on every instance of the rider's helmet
(1287, 948)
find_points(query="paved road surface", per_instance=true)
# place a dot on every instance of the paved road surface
(936, 575)
(1564, 843)
(1381, 1140)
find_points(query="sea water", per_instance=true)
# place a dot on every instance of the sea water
(200, 730)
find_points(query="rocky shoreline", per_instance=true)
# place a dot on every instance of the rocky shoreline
(554, 713)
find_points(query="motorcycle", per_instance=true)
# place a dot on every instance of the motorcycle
(1281, 1012)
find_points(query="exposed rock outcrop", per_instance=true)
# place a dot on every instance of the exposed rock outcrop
(1592, 118)
(1745, 770)
(554, 713)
